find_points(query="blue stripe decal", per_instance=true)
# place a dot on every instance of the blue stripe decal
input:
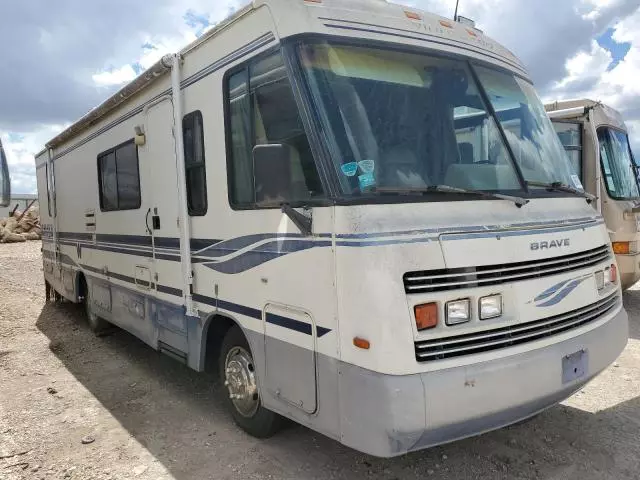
(475, 228)
(289, 323)
(551, 290)
(285, 322)
(467, 236)
(570, 287)
(262, 254)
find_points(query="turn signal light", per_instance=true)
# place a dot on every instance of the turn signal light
(426, 315)
(361, 343)
(621, 248)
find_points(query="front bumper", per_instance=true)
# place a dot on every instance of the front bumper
(386, 415)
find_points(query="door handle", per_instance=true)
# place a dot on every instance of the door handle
(146, 222)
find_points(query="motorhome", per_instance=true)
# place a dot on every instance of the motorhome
(596, 140)
(5, 180)
(359, 210)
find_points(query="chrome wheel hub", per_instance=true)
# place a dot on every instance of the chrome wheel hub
(240, 380)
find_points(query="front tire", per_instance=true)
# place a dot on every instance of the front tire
(97, 325)
(241, 393)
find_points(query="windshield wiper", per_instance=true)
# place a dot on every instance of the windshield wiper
(562, 187)
(454, 190)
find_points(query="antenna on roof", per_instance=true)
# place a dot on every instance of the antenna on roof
(455, 15)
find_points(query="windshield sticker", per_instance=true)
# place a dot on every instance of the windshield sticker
(366, 180)
(349, 169)
(576, 182)
(367, 166)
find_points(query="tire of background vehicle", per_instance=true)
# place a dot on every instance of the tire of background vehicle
(239, 378)
(98, 325)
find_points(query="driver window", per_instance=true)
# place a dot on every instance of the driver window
(262, 110)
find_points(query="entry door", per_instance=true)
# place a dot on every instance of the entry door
(162, 194)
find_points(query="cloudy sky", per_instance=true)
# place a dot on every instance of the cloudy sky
(60, 58)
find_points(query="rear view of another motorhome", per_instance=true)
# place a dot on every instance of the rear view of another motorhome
(5, 182)
(595, 138)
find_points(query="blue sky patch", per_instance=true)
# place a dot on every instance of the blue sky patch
(618, 50)
(196, 21)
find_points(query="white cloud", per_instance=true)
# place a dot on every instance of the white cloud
(115, 76)
(587, 76)
(20, 149)
(586, 65)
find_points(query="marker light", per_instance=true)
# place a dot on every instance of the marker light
(613, 274)
(458, 311)
(624, 248)
(361, 343)
(426, 315)
(490, 307)
(412, 15)
(444, 23)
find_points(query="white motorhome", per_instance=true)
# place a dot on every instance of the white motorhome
(5, 180)
(595, 137)
(353, 207)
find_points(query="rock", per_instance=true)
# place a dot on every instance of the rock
(139, 470)
(87, 440)
(52, 390)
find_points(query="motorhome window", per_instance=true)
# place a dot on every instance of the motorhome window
(119, 178)
(617, 164)
(570, 135)
(535, 144)
(262, 110)
(46, 179)
(195, 169)
(402, 121)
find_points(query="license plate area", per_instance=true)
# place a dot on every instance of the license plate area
(574, 366)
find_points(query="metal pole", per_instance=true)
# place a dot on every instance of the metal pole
(455, 15)
(185, 232)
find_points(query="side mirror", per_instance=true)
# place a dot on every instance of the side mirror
(5, 181)
(272, 173)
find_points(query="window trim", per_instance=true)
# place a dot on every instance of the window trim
(574, 148)
(602, 173)
(191, 116)
(244, 65)
(105, 153)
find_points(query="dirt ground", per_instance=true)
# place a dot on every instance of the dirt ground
(144, 416)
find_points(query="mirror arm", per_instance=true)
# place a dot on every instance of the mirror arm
(301, 221)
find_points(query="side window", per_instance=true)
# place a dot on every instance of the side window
(119, 178)
(570, 135)
(195, 170)
(262, 110)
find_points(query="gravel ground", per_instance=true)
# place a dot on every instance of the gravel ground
(76, 406)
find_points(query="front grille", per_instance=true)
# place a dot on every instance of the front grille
(485, 341)
(455, 278)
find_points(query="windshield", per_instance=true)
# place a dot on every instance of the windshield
(617, 164)
(405, 121)
(529, 130)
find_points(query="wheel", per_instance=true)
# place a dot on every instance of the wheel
(242, 395)
(98, 325)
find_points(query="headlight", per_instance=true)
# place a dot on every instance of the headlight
(600, 280)
(490, 307)
(458, 311)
